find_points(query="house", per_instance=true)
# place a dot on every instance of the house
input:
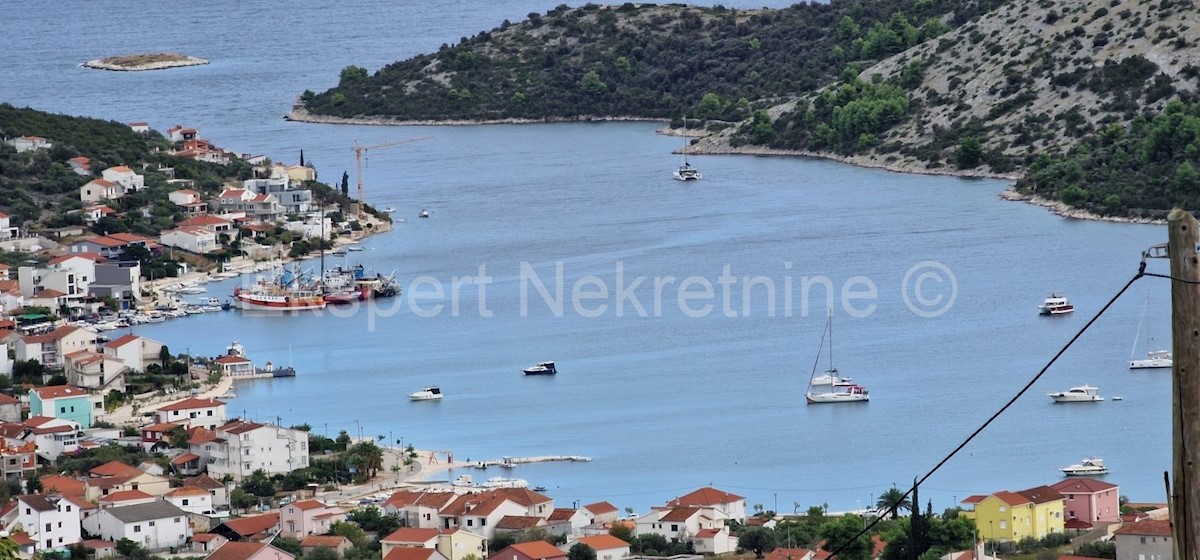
(308, 517)
(94, 371)
(7, 230)
(248, 551)
(10, 409)
(65, 402)
(125, 498)
(409, 537)
(113, 477)
(25, 546)
(600, 512)
(187, 200)
(100, 189)
(214, 224)
(607, 547)
(135, 352)
(249, 528)
(140, 127)
(18, 459)
(801, 554)
(1090, 500)
(50, 520)
(120, 280)
(81, 165)
(207, 542)
(677, 524)
(179, 133)
(481, 512)
(218, 491)
(191, 238)
(94, 212)
(157, 525)
(111, 246)
(719, 505)
(191, 500)
(413, 554)
(295, 173)
(293, 200)
(1145, 540)
(52, 436)
(717, 540)
(235, 366)
(193, 411)
(30, 143)
(418, 509)
(125, 177)
(1011, 516)
(567, 521)
(238, 448)
(100, 548)
(533, 550)
(264, 207)
(311, 543)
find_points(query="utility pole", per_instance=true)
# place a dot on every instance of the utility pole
(1184, 501)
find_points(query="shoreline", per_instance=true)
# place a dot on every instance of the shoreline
(1060, 208)
(109, 64)
(300, 114)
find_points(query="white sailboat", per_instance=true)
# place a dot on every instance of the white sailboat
(1154, 358)
(686, 172)
(848, 392)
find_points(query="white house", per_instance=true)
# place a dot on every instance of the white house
(140, 127)
(53, 436)
(124, 176)
(308, 517)
(192, 412)
(239, 448)
(191, 238)
(81, 165)
(157, 525)
(600, 512)
(51, 521)
(7, 230)
(607, 547)
(567, 521)
(50, 348)
(100, 189)
(93, 213)
(30, 143)
(191, 500)
(675, 524)
(418, 509)
(715, 541)
(179, 133)
(136, 352)
(718, 505)
(218, 491)
(94, 371)
(480, 513)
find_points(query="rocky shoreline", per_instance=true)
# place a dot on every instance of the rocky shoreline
(142, 62)
(1061, 209)
(300, 114)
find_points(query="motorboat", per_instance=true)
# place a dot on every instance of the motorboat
(426, 394)
(354, 248)
(502, 482)
(423, 214)
(389, 210)
(1088, 467)
(544, 368)
(1055, 304)
(339, 252)
(1085, 393)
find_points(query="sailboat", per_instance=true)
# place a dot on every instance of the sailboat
(686, 172)
(1154, 358)
(847, 393)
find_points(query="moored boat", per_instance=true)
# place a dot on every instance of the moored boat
(426, 394)
(841, 388)
(543, 368)
(1083, 393)
(1055, 304)
(1088, 467)
(286, 291)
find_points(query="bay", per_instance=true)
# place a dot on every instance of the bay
(666, 402)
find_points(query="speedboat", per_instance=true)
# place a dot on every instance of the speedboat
(426, 394)
(1055, 304)
(1090, 466)
(389, 210)
(423, 214)
(687, 173)
(1154, 359)
(544, 368)
(1085, 393)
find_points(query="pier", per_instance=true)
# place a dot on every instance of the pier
(510, 462)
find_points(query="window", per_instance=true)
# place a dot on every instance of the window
(1143, 542)
(62, 409)
(68, 507)
(483, 522)
(185, 501)
(1070, 496)
(210, 413)
(151, 523)
(674, 527)
(72, 409)
(60, 524)
(137, 528)
(1003, 509)
(470, 523)
(48, 527)
(1003, 524)
(28, 511)
(1071, 514)
(176, 520)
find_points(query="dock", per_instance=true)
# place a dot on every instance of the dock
(510, 462)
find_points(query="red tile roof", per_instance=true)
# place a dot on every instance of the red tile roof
(788, 554)
(306, 505)
(203, 481)
(1082, 486)
(411, 535)
(122, 341)
(537, 550)
(707, 533)
(184, 459)
(1012, 498)
(234, 550)
(561, 514)
(1076, 523)
(64, 485)
(190, 403)
(518, 522)
(49, 292)
(249, 526)
(1148, 528)
(1041, 494)
(437, 500)
(130, 237)
(680, 514)
(56, 334)
(602, 542)
(705, 497)
(6, 399)
(114, 468)
(187, 490)
(59, 391)
(205, 537)
(126, 496)
(600, 507)
(97, 544)
(323, 541)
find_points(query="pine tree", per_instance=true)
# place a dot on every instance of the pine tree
(301, 158)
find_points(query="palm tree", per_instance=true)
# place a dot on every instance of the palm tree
(893, 500)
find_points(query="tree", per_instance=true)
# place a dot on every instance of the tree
(126, 547)
(345, 184)
(301, 157)
(580, 551)
(621, 531)
(164, 356)
(969, 154)
(30, 370)
(350, 531)
(240, 499)
(33, 483)
(343, 440)
(259, 484)
(840, 534)
(893, 500)
(288, 544)
(756, 539)
(322, 553)
(502, 541)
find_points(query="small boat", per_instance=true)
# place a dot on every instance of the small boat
(501, 482)
(1055, 304)
(1154, 358)
(539, 488)
(687, 173)
(544, 368)
(1090, 466)
(389, 210)
(339, 252)
(355, 248)
(423, 214)
(426, 394)
(1085, 393)
(850, 392)
(1118, 398)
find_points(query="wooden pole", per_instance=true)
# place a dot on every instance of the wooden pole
(1183, 234)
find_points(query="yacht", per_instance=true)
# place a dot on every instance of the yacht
(687, 173)
(1088, 467)
(426, 394)
(544, 368)
(1085, 393)
(1055, 304)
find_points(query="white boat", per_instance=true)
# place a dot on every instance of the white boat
(423, 214)
(354, 248)
(1055, 304)
(1154, 358)
(501, 482)
(192, 290)
(1088, 467)
(426, 394)
(389, 210)
(543, 368)
(686, 172)
(1085, 393)
(836, 393)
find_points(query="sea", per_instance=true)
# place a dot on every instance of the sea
(685, 318)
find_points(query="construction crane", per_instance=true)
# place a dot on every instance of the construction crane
(358, 154)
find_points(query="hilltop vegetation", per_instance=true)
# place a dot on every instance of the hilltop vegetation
(639, 60)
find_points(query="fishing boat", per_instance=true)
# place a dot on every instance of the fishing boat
(1084, 393)
(1088, 467)
(1154, 358)
(287, 290)
(850, 392)
(544, 368)
(1055, 304)
(426, 394)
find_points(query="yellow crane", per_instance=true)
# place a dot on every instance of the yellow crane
(358, 154)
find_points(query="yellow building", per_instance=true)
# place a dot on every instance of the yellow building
(295, 173)
(1012, 516)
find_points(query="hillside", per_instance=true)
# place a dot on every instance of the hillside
(636, 60)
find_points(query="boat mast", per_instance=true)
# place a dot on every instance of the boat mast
(832, 369)
(1138, 335)
(816, 361)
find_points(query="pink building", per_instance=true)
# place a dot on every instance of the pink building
(1090, 500)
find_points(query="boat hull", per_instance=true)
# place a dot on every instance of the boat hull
(1061, 310)
(1151, 364)
(827, 398)
(424, 397)
(1060, 398)
(250, 301)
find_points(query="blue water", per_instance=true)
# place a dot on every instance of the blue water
(664, 402)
